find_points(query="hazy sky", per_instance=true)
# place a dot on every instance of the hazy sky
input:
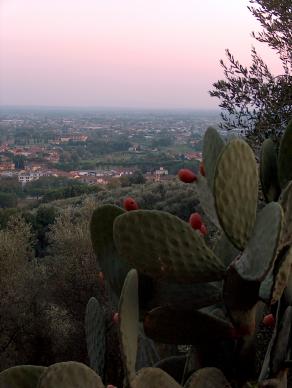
(119, 53)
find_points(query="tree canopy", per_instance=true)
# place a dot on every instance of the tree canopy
(252, 98)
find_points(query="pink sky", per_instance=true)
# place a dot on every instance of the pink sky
(120, 53)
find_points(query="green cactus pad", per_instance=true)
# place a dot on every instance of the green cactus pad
(21, 376)
(240, 297)
(281, 278)
(269, 171)
(239, 293)
(207, 200)
(279, 381)
(179, 326)
(281, 344)
(261, 249)
(129, 327)
(154, 378)
(265, 369)
(69, 374)
(101, 230)
(147, 354)
(196, 295)
(236, 191)
(165, 247)
(95, 335)
(212, 147)
(207, 378)
(225, 250)
(285, 157)
(272, 287)
(176, 366)
(286, 203)
(288, 289)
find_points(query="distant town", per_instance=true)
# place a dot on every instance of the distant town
(99, 147)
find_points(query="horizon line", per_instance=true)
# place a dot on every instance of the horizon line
(99, 107)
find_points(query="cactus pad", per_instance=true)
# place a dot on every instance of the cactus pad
(281, 344)
(180, 326)
(225, 250)
(129, 327)
(165, 247)
(154, 378)
(286, 203)
(261, 249)
(147, 354)
(282, 276)
(21, 376)
(101, 230)
(196, 295)
(176, 366)
(95, 335)
(240, 297)
(269, 171)
(207, 378)
(69, 374)
(207, 200)
(236, 191)
(285, 157)
(212, 147)
(272, 287)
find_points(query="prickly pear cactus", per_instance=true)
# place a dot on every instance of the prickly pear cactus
(69, 375)
(212, 298)
(261, 248)
(154, 377)
(236, 191)
(95, 325)
(129, 317)
(207, 200)
(165, 247)
(285, 157)
(208, 378)
(286, 203)
(22, 376)
(147, 354)
(181, 325)
(101, 230)
(212, 148)
(269, 171)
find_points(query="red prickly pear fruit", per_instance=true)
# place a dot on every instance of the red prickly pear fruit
(269, 320)
(111, 386)
(195, 220)
(130, 204)
(187, 176)
(203, 230)
(202, 169)
(116, 318)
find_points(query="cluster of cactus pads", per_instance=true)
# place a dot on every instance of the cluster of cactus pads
(182, 292)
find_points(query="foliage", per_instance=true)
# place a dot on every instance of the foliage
(8, 200)
(69, 191)
(5, 215)
(10, 185)
(252, 98)
(40, 220)
(19, 162)
(18, 290)
(72, 272)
